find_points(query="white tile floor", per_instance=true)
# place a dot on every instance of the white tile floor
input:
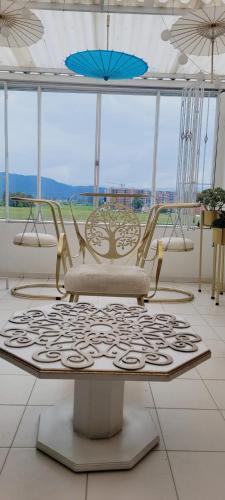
(188, 464)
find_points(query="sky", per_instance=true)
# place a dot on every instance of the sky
(68, 137)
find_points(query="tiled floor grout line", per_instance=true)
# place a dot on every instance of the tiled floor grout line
(174, 482)
(222, 452)
(219, 409)
(30, 406)
(15, 375)
(20, 420)
(185, 408)
(86, 487)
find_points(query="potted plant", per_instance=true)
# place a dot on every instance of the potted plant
(213, 201)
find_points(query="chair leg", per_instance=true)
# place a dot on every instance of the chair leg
(140, 301)
(76, 298)
(71, 299)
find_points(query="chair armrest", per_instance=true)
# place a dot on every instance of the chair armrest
(61, 254)
(159, 256)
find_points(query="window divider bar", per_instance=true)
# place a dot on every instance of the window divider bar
(97, 146)
(155, 146)
(6, 134)
(39, 110)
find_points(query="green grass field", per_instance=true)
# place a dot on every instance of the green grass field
(81, 213)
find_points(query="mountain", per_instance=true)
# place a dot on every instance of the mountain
(50, 188)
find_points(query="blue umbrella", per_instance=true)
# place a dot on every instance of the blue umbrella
(106, 64)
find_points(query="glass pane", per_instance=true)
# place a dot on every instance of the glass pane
(2, 157)
(127, 136)
(168, 142)
(68, 148)
(22, 126)
(207, 142)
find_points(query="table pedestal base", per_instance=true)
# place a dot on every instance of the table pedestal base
(80, 452)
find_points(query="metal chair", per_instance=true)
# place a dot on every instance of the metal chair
(35, 235)
(112, 235)
(173, 243)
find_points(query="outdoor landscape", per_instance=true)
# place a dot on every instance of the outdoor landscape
(26, 185)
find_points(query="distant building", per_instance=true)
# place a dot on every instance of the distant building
(161, 196)
(121, 197)
(166, 196)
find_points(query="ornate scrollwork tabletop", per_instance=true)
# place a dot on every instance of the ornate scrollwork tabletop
(81, 337)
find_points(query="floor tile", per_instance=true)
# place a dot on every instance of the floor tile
(14, 304)
(193, 430)
(176, 309)
(215, 320)
(212, 369)
(151, 479)
(138, 393)
(31, 475)
(217, 389)
(210, 309)
(154, 308)
(15, 389)
(4, 317)
(10, 369)
(199, 476)
(220, 330)
(190, 374)
(27, 432)
(182, 394)
(9, 420)
(154, 416)
(48, 392)
(193, 319)
(217, 347)
(206, 332)
(203, 299)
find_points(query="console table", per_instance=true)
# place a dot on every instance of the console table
(99, 349)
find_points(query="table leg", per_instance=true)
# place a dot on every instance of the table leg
(99, 433)
(218, 275)
(200, 257)
(222, 271)
(214, 271)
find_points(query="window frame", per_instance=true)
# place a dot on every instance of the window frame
(99, 91)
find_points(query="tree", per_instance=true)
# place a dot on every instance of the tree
(137, 204)
(19, 203)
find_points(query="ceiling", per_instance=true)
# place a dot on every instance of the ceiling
(68, 31)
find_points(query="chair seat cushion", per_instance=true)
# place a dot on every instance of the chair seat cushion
(34, 240)
(174, 244)
(107, 279)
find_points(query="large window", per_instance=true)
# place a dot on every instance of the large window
(23, 147)
(61, 137)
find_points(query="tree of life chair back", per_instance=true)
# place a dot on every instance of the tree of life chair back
(113, 231)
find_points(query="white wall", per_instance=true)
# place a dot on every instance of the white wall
(22, 261)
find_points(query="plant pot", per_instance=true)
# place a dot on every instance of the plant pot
(218, 236)
(209, 216)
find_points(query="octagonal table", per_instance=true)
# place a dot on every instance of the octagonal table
(99, 349)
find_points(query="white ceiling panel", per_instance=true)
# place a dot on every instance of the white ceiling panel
(68, 31)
